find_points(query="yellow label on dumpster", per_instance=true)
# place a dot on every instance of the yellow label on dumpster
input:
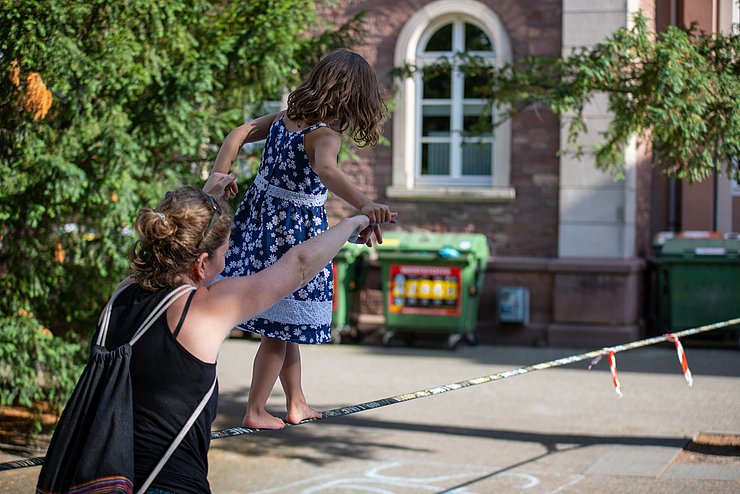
(424, 290)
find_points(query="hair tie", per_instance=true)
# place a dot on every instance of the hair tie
(161, 216)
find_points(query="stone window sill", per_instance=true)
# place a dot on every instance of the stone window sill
(452, 194)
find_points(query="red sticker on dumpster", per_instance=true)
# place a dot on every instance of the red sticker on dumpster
(424, 290)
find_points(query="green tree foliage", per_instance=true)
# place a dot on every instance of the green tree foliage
(106, 105)
(676, 89)
(36, 366)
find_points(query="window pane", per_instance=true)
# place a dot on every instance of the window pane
(440, 40)
(475, 121)
(475, 86)
(476, 158)
(476, 40)
(437, 84)
(435, 158)
(435, 120)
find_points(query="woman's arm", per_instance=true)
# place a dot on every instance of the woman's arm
(234, 300)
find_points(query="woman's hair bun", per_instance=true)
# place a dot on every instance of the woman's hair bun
(174, 234)
(153, 226)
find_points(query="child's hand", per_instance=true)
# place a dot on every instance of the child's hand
(364, 236)
(221, 185)
(378, 213)
(376, 229)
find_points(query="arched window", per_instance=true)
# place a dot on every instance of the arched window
(436, 150)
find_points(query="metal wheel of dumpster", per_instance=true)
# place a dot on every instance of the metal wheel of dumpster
(337, 334)
(453, 340)
(471, 339)
(387, 337)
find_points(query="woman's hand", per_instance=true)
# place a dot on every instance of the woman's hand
(221, 185)
(365, 237)
(362, 231)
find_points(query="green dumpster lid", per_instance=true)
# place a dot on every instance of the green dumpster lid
(473, 243)
(662, 237)
(701, 247)
(352, 247)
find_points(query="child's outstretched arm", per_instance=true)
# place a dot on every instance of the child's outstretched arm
(325, 146)
(253, 131)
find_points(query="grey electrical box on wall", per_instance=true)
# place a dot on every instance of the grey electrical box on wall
(513, 304)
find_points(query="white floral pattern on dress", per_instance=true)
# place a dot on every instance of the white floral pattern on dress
(284, 207)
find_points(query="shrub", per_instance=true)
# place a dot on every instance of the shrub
(35, 365)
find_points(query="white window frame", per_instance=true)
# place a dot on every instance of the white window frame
(407, 115)
(456, 101)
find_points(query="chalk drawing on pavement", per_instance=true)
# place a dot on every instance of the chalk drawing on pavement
(414, 477)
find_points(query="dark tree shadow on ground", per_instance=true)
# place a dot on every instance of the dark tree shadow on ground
(356, 437)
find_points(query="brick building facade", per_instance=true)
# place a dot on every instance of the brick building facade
(575, 237)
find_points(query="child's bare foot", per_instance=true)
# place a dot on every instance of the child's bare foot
(298, 414)
(261, 420)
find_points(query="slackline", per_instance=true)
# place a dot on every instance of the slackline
(370, 405)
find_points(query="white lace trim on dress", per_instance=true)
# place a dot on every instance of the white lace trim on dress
(298, 198)
(299, 312)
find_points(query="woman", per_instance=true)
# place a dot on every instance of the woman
(183, 242)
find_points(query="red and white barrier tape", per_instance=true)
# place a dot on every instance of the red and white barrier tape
(613, 362)
(612, 367)
(681, 358)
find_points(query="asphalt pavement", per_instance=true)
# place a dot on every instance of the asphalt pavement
(554, 430)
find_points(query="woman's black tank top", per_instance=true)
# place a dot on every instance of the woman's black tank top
(168, 382)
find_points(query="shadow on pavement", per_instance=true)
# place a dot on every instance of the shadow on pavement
(513, 466)
(550, 441)
(321, 445)
(360, 438)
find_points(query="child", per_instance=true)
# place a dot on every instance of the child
(285, 206)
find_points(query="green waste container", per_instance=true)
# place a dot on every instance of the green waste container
(349, 267)
(698, 282)
(431, 283)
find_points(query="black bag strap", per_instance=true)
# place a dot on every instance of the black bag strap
(160, 309)
(163, 305)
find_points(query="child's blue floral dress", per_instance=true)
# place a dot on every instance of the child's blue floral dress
(284, 207)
